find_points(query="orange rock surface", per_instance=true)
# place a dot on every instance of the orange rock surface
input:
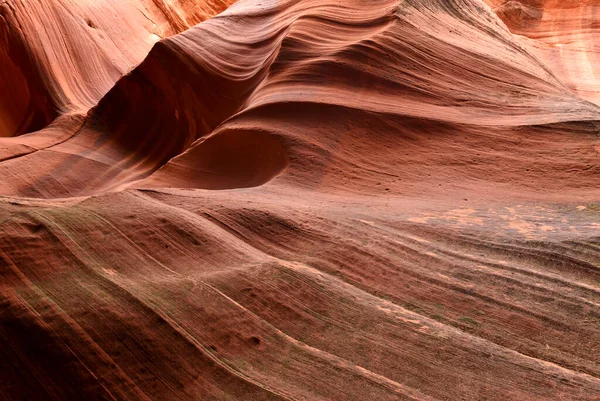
(299, 199)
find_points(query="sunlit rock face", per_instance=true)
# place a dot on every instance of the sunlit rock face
(564, 34)
(299, 199)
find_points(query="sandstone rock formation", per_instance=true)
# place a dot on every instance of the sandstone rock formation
(299, 199)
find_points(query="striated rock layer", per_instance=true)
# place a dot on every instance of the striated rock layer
(299, 199)
(62, 56)
(562, 33)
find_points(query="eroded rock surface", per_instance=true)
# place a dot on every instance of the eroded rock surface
(304, 200)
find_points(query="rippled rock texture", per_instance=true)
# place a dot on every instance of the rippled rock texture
(300, 200)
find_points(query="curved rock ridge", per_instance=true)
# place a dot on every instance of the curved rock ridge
(62, 56)
(303, 64)
(299, 200)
